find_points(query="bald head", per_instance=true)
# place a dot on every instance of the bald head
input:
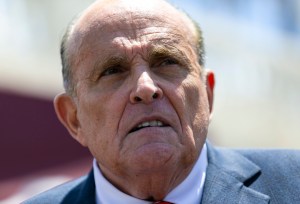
(98, 19)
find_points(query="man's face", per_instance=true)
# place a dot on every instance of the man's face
(141, 105)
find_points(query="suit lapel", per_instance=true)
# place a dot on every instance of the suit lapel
(84, 193)
(227, 177)
(87, 192)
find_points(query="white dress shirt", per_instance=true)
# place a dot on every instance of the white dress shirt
(189, 191)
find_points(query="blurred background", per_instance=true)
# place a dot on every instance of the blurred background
(253, 47)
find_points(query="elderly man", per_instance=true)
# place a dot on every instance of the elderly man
(138, 96)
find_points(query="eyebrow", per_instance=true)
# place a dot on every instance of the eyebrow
(112, 61)
(162, 51)
(155, 52)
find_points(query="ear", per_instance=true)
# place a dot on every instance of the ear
(66, 111)
(210, 84)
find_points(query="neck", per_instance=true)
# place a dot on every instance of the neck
(151, 185)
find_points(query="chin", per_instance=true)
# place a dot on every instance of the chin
(156, 156)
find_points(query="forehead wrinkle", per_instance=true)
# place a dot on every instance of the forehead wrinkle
(118, 12)
(186, 30)
(83, 30)
(136, 24)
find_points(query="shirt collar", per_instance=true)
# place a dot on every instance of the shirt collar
(189, 191)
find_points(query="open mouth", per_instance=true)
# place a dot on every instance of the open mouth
(152, 123)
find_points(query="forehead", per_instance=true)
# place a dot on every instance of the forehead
(115, 11)
(131, 33)
(106, 26)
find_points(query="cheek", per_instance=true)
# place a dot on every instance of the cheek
(99, 117)
(194, 115)
(103, 108)
(196, 99)
(99, 130)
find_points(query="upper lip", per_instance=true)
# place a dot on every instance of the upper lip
(141, 120)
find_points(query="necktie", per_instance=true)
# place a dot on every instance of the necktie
(163, 202)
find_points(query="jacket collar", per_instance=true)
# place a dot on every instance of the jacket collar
(228, 176)
(83, 193)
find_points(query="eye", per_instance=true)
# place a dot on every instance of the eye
(112, 71)
(168, 61)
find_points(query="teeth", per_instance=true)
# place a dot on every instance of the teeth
(154, 123)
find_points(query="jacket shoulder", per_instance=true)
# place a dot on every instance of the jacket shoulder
(279, 173)
(274, 160)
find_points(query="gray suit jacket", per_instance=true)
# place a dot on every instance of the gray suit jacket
(233, 176)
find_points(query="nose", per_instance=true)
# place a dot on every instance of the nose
(145, 90)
